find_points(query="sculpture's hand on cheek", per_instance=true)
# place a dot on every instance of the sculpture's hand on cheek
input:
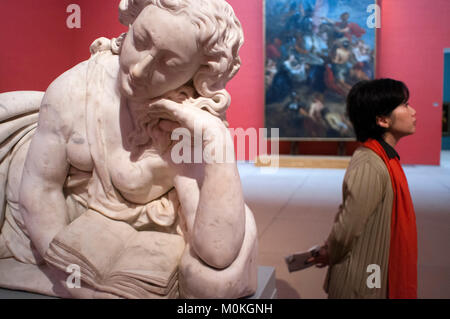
(188, 116)
(198, 137)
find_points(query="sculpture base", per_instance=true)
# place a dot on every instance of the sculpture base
(266, 284)
(19, 276)
(10, 269)
(18, 294)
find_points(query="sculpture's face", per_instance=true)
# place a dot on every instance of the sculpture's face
(159, 54)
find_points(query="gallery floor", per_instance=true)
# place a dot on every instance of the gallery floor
(294, 210)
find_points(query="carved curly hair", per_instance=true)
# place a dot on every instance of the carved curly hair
(220, 36)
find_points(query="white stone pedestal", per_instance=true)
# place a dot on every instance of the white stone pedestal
(266, 284)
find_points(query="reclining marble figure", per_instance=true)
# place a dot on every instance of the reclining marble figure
(89, 180)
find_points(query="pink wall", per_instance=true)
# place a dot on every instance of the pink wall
(99, 19)
(37, 47)
(410, 48)
(247, 87)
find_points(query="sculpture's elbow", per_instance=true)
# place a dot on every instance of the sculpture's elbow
(218, 252)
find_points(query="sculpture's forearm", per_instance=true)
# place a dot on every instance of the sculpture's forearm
(219, 224)
(220, 218)
(210, 193)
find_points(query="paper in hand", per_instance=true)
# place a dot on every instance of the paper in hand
(298, 261)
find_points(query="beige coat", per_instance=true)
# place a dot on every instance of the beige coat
(360, 235)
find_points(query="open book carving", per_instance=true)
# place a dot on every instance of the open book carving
(119, 260)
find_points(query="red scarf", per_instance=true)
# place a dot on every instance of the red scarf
(402, 272)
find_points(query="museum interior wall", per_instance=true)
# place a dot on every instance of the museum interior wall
(37, 46)
(412, 41)
(446, 104)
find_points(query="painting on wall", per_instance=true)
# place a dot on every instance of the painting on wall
(315, 51)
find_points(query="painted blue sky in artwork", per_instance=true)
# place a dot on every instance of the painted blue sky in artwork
(329, 8)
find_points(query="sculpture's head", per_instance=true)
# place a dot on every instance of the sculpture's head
(171, 43)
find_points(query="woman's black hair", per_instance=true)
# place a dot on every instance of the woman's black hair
(369, 99)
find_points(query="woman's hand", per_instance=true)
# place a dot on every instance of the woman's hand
(321, 260)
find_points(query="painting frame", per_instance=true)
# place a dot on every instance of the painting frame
(302, 114)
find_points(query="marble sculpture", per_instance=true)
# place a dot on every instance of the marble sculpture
(89, 180)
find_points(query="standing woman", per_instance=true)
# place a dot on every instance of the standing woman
(376, 223)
